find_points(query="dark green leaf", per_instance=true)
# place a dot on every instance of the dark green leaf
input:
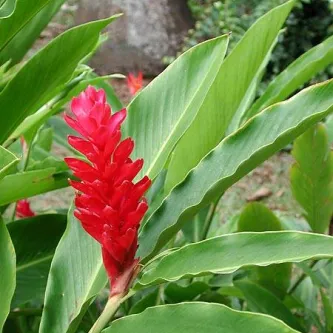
(7, 273)
(261, 300)
(77, 274)
(34, 240)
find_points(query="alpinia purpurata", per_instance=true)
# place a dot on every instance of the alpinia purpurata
(23, 209)
(134, 83)
(108, 203)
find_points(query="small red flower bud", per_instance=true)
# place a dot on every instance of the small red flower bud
(23, 209)
(109, 204)
(134, 83)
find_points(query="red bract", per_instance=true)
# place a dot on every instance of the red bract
(23, 209)
(134, 83)
(108, 203)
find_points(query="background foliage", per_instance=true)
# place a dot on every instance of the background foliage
(310, 22)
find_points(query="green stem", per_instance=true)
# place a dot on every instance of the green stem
(25, 164)
(300, 279)
(209, 219)
(109, 311)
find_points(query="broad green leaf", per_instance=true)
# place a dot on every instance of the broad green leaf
(250, 94)
(236, 155)
(7, 161)
(77, 274)
(294, 76)
(227, 253)
(27, 184)
(162, 112)
(7, 8)
(24, 39)
(311, 177)
(42, 75)
(197, 317)
(7, 273)
(257, 217)
(261, 300)
(222, 101)
(24, 12)
(34, 240)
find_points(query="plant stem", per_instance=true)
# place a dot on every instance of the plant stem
(25, 164)
(300, 279)
(209, 219)
(110, 309)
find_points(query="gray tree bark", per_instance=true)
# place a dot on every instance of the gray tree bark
(148, 31)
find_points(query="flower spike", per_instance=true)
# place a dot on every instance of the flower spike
(109, 204)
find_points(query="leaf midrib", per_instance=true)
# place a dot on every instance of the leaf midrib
(166, 141)
(23, 25)
(35, 262)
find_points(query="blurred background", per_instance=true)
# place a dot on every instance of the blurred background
(151, 34)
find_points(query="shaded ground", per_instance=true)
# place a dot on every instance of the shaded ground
(268, 183)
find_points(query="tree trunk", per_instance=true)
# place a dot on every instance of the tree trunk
(148, 31)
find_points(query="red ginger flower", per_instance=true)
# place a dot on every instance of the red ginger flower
(108, 203)
(23, 209)
(134, 83)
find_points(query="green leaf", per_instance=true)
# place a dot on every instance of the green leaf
(162, 112)
(311, 177)
(197, 317)
(34, 240)
(27, 184)
(261, 300)
(257, 217)
(236, 155)
(7, 162)
(231, 86)
(42, 75)
(24, 12)
(7, 276)
(145, 302)
(60, 131)
(328, 311)
(44, 139)
(176, 293)
(227, 253)
(7, 8)
(77, 274)
(294, 76)
(24, 39)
